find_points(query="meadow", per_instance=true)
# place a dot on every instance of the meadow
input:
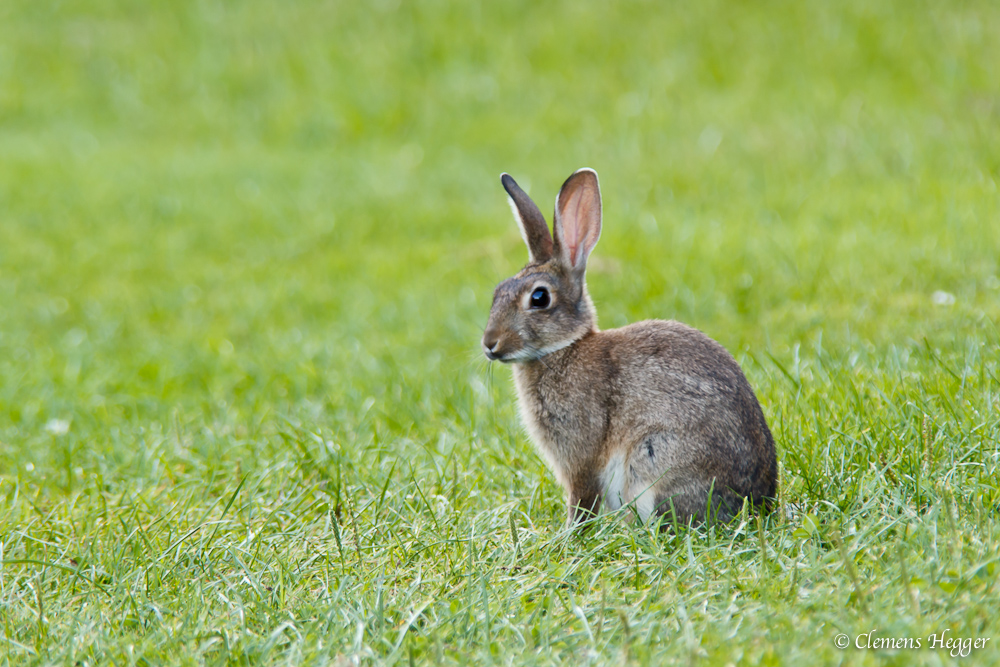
(247, 250)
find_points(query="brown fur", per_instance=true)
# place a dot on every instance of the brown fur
(656, 413)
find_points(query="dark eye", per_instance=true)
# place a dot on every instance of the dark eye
(540, 298)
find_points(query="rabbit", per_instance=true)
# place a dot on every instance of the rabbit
(655, 416)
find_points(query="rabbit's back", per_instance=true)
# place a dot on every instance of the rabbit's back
(683, 420)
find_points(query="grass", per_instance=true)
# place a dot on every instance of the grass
(247, 249)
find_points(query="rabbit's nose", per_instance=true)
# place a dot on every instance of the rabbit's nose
(491, 342)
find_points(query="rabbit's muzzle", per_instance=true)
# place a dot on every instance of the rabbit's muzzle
(494, 346)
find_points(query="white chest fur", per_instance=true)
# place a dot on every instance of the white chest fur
(544, 440)
(543, 443)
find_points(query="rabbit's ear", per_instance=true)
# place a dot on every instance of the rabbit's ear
(578, 219)
(530, 221)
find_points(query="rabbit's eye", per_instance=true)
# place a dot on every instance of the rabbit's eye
(540, 298)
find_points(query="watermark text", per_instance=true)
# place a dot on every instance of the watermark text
(957, 647)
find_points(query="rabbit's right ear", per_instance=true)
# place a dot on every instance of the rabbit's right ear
(530, 221)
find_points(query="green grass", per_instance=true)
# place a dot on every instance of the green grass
(247, 249)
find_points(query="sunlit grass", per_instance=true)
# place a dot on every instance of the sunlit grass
(246, 252)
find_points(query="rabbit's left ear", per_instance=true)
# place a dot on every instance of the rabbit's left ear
(578, 219)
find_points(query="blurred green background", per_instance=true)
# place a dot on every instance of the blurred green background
(221, 222)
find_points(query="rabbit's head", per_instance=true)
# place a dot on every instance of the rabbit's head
(545, 307)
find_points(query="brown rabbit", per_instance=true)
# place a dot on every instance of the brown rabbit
(655, 413)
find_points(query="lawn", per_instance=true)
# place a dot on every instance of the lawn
(247, 250)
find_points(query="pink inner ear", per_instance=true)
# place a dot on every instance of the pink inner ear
(572, 226)
(580, 219)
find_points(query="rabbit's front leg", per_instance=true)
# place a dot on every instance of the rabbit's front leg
(584, 501)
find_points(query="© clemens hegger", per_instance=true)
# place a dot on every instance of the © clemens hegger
(956, 646)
